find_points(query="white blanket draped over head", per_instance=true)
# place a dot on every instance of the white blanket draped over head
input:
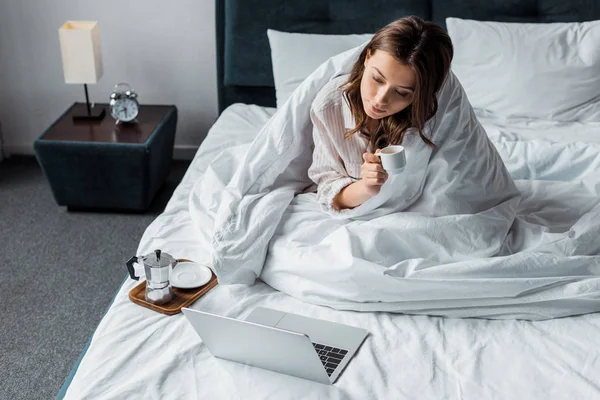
(445, 237)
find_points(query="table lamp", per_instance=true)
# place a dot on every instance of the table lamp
(82, 60)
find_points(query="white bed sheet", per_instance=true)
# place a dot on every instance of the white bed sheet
(137, 353)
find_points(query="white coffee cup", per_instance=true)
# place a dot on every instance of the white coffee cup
(393, 159)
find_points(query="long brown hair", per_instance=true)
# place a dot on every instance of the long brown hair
(426, 48)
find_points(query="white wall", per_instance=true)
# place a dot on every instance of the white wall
(164, 49)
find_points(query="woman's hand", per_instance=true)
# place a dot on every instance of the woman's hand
(373, 174)
(373, 177)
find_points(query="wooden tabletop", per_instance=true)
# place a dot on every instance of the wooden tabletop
(107, 131)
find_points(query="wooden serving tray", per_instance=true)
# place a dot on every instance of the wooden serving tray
(181, 297)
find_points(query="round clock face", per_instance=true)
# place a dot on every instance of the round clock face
(125, 110)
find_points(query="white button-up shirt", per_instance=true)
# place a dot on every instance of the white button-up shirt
(336, 161)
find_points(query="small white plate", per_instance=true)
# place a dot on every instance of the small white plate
(189, 275)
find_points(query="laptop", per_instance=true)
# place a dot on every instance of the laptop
(279, 341)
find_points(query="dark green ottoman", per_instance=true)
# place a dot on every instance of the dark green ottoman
(104, 166)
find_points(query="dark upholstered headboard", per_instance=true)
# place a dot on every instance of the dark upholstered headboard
(244, 69)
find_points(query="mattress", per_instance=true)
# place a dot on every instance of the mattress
(138, 353)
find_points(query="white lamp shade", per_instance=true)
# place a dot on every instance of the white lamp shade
(80, 50)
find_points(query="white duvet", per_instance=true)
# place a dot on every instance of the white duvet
(453, 235)
(137, 353)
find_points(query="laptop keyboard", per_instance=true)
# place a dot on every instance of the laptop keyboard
(331, 357)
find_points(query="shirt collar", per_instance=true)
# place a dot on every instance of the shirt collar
(349, 122)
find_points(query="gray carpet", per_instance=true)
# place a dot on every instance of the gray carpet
(59, 271)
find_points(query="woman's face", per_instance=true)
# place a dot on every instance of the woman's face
(387, 86)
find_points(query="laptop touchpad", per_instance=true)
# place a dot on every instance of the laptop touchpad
(325, 332)
(265, 316)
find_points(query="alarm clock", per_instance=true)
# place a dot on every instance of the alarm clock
(123, 104)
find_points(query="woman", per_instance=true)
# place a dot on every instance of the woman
(392, 87)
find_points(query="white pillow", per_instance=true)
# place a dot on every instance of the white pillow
(296, 55)
(543, 71)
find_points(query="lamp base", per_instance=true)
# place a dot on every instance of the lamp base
(96, 114)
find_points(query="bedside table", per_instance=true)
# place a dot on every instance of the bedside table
(106, 166)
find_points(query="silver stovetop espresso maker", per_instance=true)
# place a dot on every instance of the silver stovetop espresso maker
(157, 267)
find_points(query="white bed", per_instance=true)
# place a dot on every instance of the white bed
(138, 353)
